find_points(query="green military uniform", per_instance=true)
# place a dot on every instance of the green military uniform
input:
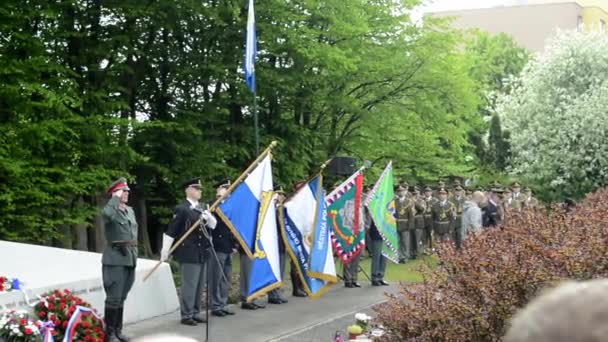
(405, 223)
(419, 209)
(517, 198)
(119, 258)
(443, 214)
(530, 202)
(428, 219)
(458, 201)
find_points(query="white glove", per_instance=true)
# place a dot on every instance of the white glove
(210, 220)
(167, 243)
(117, 193)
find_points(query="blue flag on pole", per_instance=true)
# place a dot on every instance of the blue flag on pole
(250, 213)
(251, 49)
(307, 237)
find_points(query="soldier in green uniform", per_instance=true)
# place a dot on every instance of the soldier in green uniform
(530, 202)
(119, 257)
(428, 219)
(517, 198)
(419, 209)
(458, 200)
(443, 214)
(405, 223)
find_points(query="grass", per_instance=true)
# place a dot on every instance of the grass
(409, 272)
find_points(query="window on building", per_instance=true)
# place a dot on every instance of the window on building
(580, 24)
(602, 26)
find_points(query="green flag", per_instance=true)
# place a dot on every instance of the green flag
(381, 204)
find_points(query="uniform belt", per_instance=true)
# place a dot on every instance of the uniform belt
(402, 220)
(442, 221)
(122, 243)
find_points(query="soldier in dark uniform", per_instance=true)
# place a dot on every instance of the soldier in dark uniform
(193, 254)
(276, 296)
(119, 257)
(443, 213)
(419, 209)
(458, 201)
(224, 245)
(492, 213)
(405, 223)
(428, 219)
(375, 248)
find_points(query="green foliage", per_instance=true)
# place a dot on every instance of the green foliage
(91, 90)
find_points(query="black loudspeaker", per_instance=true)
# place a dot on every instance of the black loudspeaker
(342, 166)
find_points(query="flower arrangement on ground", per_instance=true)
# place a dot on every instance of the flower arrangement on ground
(9, 284)
(18, 326)
(59, 306)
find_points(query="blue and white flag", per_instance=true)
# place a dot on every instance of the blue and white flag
(251, 49)
(307, 237)
(250, 213)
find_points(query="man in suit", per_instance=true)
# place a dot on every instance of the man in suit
(193, 253)
(119, 257)
(224, 245)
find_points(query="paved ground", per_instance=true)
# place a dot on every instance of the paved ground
(300, 320)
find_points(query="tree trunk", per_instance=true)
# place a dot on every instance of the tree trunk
(143, 235)
(100, 231)
(80, 231)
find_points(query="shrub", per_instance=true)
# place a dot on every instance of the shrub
(474, 292)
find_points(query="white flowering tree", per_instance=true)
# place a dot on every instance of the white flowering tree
(557, 114)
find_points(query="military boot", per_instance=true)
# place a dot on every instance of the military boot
(119, 320)
(110, 318)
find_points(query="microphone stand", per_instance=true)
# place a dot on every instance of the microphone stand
(217, 260)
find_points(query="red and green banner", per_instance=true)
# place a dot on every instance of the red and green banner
(345, 218)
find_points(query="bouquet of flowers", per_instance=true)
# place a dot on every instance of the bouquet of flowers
(18, 326)
(360, 327)
(59, 306)
(9, 284)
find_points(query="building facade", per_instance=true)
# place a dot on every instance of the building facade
(531, 22)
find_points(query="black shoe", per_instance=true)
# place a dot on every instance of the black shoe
(283, 301)
(383, 283)
(199, 319)
(248, 306)
(218, 313)
(299, 293)
(376, 283)
(111, 338)
(260, 306)
(349, 285)
(188, 321)
(228, 312)
(355, 284)
(275, 301)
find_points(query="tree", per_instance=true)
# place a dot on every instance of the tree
(556, 114)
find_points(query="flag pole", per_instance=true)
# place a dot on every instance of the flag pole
(217, 202)
(255, 122)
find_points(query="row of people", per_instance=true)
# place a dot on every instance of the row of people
(436, 215)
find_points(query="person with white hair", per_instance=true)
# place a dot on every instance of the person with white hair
(471, 215)
(572, 312)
